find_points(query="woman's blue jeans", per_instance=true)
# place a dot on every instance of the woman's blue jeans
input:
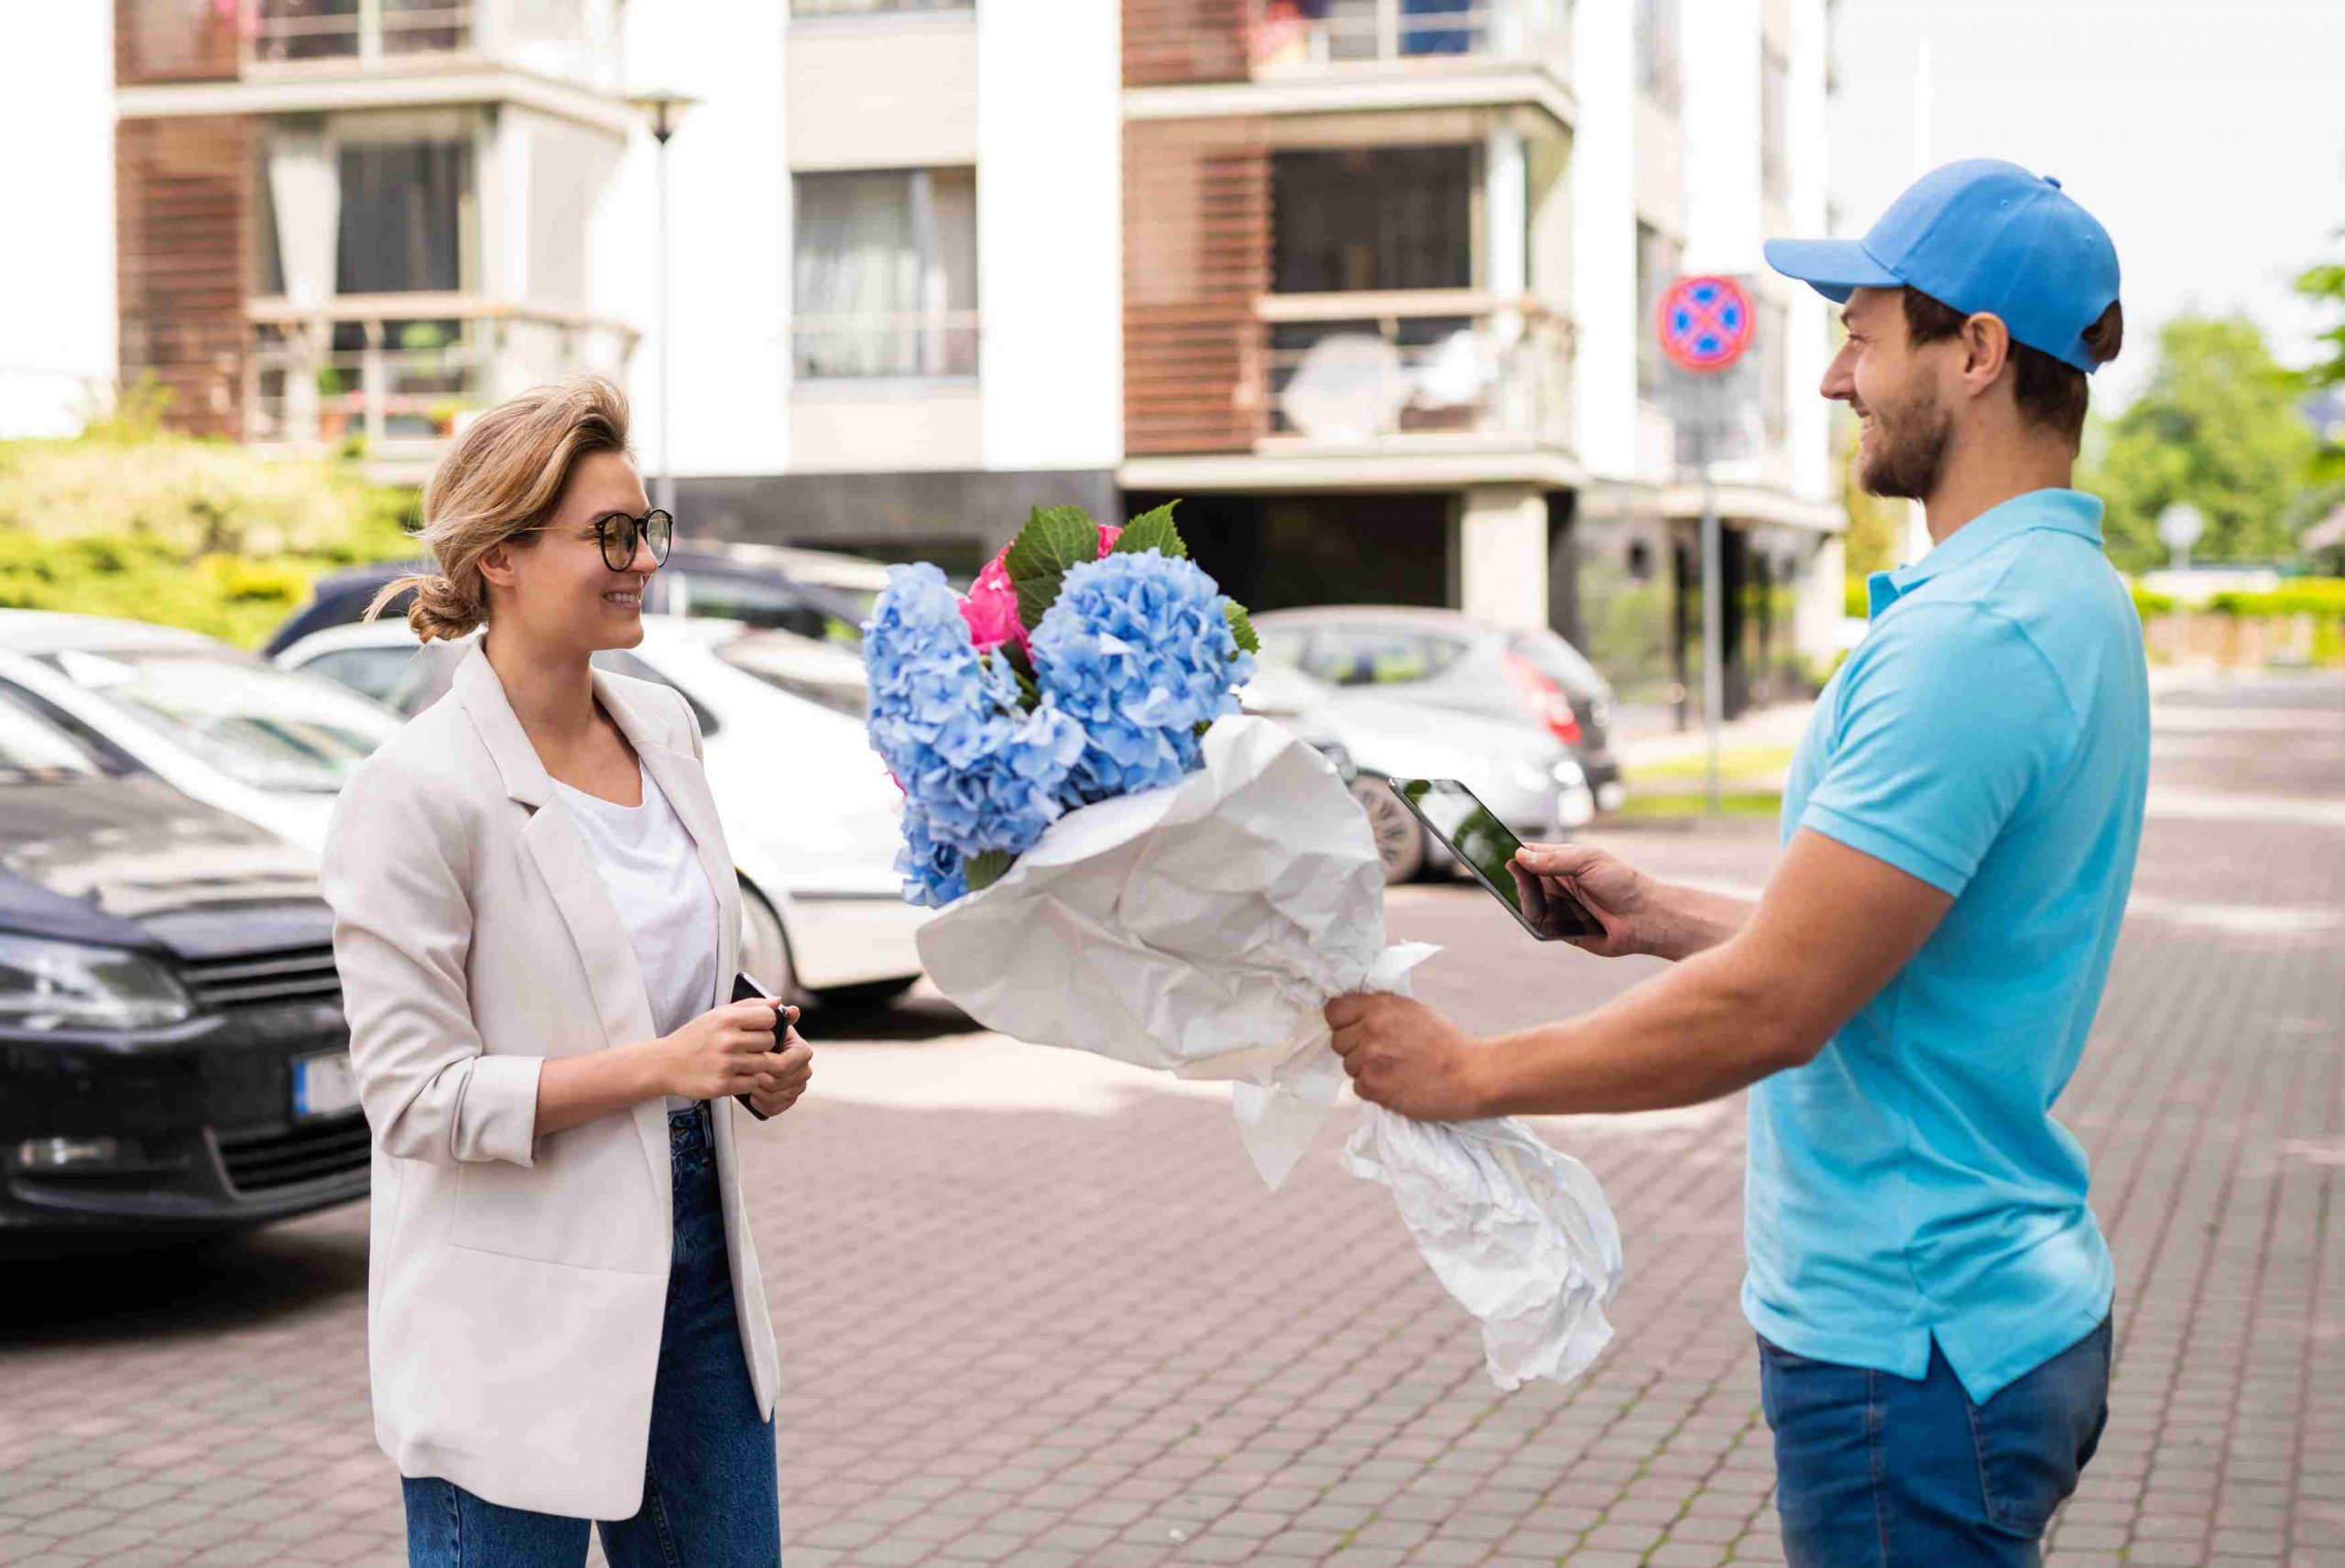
(710, 1496)
(1877, 1471)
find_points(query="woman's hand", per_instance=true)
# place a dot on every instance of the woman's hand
(723, 1052)
(785, 1075)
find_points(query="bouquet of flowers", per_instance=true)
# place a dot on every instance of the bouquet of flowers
(1126, 864)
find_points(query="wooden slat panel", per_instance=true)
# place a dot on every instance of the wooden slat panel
(174, 41)
(1185, 40)
(1196, 257)
(184, 249)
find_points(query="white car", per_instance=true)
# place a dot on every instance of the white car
(809, 811)
(215, 722)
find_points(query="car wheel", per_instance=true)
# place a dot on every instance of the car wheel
(1400, 837)
(765, 949)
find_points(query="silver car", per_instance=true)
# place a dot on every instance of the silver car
(1528, 778)
(1444, 661)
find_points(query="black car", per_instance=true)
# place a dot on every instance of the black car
(693, 582)
(173, 1055)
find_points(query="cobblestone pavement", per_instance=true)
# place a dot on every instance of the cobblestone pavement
(1037, 1310)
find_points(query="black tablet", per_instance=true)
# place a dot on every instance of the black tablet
(1484, 845)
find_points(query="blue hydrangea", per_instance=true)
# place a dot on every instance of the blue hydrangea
(1139, 649)
(979, 772)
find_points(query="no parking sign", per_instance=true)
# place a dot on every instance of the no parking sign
(1704, 323)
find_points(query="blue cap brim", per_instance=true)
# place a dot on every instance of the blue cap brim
(1834, 268)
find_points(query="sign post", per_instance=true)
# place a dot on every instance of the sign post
(2179, 527)
(1706, 324)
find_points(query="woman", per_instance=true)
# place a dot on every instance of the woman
(537, 923)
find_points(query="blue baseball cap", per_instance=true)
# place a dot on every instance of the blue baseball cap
(1984, 237)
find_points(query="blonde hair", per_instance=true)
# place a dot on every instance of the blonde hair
(499, 479)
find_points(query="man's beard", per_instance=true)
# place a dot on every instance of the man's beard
(1908, 456)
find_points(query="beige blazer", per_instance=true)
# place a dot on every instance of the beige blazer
(517, 1284)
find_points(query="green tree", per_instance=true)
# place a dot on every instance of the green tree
(2218, 427)
(2324, 286)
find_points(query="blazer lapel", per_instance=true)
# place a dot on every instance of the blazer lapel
(580, 897)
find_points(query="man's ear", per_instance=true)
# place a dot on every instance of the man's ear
(1986, 350)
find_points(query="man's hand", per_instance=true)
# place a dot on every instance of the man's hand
(1639, 914)
(1407, 1058)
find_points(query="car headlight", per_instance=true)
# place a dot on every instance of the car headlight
(65, 985)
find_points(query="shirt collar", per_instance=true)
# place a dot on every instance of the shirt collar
(2062, 511)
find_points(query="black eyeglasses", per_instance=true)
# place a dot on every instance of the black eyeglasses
(618, 534)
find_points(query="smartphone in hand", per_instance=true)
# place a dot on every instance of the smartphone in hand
(748, 990)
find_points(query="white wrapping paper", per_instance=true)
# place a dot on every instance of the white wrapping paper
(1201, 930)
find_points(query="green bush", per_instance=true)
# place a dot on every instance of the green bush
(2320, 596)
(126, 521)
(1856, 599)
(2149, 604)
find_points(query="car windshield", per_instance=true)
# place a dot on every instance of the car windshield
(34, 750)
(835, 681)
(270, 728)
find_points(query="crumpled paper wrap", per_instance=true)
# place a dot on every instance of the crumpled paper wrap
(1201, 930)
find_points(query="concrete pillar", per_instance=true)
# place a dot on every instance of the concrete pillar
(1502, 555)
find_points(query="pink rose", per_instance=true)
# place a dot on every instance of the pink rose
(991, 607)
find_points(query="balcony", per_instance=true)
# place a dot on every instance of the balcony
(398, 374)
(1286, 37)
(337, 44)
(1453, 371)
(288, 32)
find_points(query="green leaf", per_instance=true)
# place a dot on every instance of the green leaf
(987, 868)
(1054, 538)
(1241, 628)
(1152, 530)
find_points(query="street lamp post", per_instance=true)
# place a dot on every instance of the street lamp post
(666, 111)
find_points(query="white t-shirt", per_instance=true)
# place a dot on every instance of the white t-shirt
(654, 872)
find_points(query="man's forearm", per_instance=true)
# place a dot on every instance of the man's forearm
(1712, 1025)
(1695, 920)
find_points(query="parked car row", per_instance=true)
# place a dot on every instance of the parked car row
(172, 1049)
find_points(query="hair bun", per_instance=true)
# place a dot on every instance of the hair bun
(441, 610)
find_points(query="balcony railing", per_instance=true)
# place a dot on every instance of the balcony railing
(1417, 369)
(400, 373)
(911, 343)
(288, 32)
(1304, 34)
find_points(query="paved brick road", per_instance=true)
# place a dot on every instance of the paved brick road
(1037, 1310)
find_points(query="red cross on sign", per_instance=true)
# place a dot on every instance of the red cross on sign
(1704, 323)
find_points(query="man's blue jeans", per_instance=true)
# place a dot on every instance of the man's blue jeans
(710, 1493)
(1889, 1472)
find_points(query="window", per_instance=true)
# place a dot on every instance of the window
(35, 745)
(886, 274)
(873, 7)
(753, 601)
(1378, 655)
(370, 671)
(1362, 218)
(1659, 261)
(1657, 50)
(402, 216)
(1774, 108)
(269, 728)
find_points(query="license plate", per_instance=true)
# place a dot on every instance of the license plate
(324, 1086)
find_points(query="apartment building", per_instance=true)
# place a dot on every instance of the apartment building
(356, 220)
(1370, 284)
(1392, 270)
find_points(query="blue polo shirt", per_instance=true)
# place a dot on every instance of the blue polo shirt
(1991, 736)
